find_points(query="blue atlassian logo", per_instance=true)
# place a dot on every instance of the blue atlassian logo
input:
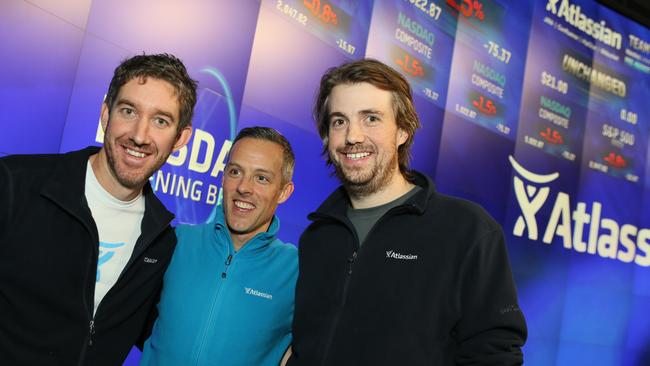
(106, 255)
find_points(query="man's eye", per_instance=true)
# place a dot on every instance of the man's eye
(233, 171)
(337, 122)
(127, 112)
(263, 179)
(373, 119)
(161, 122)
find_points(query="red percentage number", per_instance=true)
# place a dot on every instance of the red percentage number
(468, 8)
(485, 105)
(478, 10)
(324, 13)
(615, 160)
(552, 136)
(410, 65)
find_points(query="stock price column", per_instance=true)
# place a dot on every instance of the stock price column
(483, 100)
(488, 63)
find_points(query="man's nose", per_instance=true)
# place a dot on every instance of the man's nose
(140, 134)
(245, 185)
(354, 133)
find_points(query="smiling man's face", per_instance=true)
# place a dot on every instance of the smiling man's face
(141, 131)
(363, 137)
(253, 187)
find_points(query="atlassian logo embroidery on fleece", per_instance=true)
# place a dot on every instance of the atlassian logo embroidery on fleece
(250, 291)
(394, 255)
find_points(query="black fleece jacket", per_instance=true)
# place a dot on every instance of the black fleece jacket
(48, 261)
(431, 285)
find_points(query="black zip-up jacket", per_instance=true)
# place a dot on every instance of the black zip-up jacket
(431, 285)
(48, 262)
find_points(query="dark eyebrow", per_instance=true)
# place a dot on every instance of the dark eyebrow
(125, 101)
(337, 114)
(132, 104)
(371, 111)
(231, 164)
(166, 114)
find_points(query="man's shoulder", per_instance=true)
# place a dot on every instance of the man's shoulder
(30, 162)
(458, 205)
(29, 172)
(191, 240)
(461, 213)
(34, 163)
(284, 249)
(191, 232)
(463, 209)
(284, 257)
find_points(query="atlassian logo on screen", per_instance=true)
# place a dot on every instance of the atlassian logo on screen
(605, 237)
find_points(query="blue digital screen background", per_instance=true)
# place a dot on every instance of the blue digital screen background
(259, 62)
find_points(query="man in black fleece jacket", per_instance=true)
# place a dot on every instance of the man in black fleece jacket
(391, 272)
(84, 242)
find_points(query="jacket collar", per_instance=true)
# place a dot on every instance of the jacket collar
(67, 189)
(257, 243)
(336, 205)
(67, 184)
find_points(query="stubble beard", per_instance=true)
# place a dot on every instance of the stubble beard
(124, 176)
(358, 185)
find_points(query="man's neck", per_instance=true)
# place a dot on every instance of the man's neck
(397, 187)
(99, 163)
(238, 241)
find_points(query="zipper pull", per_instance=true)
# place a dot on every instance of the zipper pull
(350, 261)
(91, 332)
(228, 260)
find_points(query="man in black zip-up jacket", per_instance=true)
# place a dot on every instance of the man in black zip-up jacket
(391, 272)
(84, 242)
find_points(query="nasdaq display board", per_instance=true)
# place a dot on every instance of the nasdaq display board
(537, 110)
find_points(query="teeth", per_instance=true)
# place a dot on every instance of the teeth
(135, 153)
(244, 205)
(357, 155)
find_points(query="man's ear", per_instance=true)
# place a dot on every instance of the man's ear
(402, 136)
(104, 114)
(286, 192)
(183, 137)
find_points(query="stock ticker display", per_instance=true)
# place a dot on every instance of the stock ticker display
(537, 110)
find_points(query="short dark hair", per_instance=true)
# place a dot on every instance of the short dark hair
(383, 77)
(161, 66)
(271, 134)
